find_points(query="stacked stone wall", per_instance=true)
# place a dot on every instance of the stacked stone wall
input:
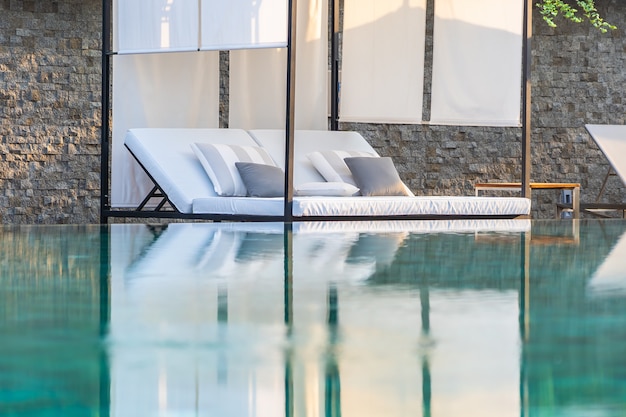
(50, 86)
(50, 92)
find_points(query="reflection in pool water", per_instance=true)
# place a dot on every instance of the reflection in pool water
(483, 318)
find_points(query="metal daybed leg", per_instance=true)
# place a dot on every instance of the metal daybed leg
(148, 197)
(606, 178)
(155, 192)
(160, 205)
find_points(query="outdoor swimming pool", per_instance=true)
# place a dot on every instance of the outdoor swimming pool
(473, 318)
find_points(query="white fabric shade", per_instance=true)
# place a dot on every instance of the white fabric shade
(155, 26)
(477, 62)
(143, 26)
(157, 90)
(383, 61)
(238, 24)
(257, 90)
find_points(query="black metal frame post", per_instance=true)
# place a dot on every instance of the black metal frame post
(334, 65)
(105, 109)
(290, 105)
(526, 97)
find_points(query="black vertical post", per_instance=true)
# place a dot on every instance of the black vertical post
(334, 65)
(290, 119)
(104, 108)
(526, 97)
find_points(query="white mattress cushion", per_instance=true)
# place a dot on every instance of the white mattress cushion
(368, 206)
(247, 206)
(218, 160)
(411, 206)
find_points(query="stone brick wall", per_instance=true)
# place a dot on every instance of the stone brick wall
(50, 111)
(50, 66)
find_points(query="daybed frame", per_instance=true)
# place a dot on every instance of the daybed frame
(184, 190)
(289, 132)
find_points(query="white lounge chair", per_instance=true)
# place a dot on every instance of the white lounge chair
(611, 139)
(167, 157)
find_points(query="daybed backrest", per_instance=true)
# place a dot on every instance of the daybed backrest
(167, 156)
(307, 141)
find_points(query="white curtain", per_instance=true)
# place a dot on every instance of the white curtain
(383, 61)
(477, 62)
(157, 90)
(258, 77)
(238, 24)
(155, 25)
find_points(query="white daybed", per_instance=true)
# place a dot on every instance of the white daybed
(167, 157)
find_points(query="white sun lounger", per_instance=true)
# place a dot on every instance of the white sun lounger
(166, 155)
(611, 139)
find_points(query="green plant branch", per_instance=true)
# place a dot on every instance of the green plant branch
(550, 9)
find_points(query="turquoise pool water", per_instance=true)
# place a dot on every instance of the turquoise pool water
(477, 318)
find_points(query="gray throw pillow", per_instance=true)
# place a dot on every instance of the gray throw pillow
(262, 180)
(376, 176)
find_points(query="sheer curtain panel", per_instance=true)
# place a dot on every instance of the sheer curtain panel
(477, 62)
(383, 61)
(142, 26)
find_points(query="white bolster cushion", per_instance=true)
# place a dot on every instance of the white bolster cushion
(218, 160)
(334, 189)
(331, 165)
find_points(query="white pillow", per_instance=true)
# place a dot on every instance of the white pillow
(218, 160)
(331, 166)
(333, 189)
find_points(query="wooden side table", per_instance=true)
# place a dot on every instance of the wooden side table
(517, 186)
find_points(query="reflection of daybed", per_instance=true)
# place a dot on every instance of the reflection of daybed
(325, 250)
(167, 157)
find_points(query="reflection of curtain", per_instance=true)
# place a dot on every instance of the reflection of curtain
(237, 24)
(257, 79)
(477, 62)
(155, 25)
(157, 90)
(383, 61)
